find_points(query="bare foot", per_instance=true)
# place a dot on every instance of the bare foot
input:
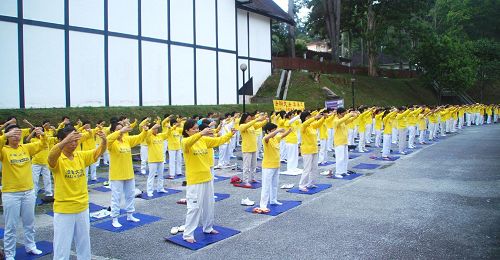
(190, 240)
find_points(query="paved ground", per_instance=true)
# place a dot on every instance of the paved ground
(440, 202)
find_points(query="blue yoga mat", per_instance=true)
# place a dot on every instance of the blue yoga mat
(159, 194)
(220, 178)
(255, 185)
(368, 151)
(347, 177)
(102, 189)
(278, 209)
(1, 233)
(367, 166)
(326, 163)
(175, 177)
(92, 208)
(221, 196)
(390, 159)
(320, 188)
(202, 239)
(354, 156)
(44, 246)
(127, 225)
(99, 180)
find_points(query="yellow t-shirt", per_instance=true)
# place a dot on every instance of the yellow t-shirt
(196, 156)
(292, 138)
(340, 130)
(16, 165)
(120, 155)
(271, 158)
(247, 132)
(388, 121)
(42, 156)
(155, 146)
(309, 135)
(70, 182)
(378, 121)
(174, 138)
(224, 139)
(401, 118)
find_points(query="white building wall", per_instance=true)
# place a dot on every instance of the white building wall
(203, 62)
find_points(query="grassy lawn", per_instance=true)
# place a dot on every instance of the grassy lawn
(368, 90)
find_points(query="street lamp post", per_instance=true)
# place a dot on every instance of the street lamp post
(352, 90)
(243, 68)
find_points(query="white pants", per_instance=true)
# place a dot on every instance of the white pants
(232, 146)
(127, 187)
(283, 152)
(293, 156)
(329, 142)
(421, 137)
(174, 162)
(495, 118)
(165, 149)
(69, 228)
(18, 206)
(259, 145)
(368, 133)
(395, 134)
(269, 192)
(386, 145)
(361, 143)
(91, 171)
(310, 170)
(322, 156)
(431, 130)
(249, 166)
(155, 168)
(411, 139)
(460, 122)
(105, 158)
(350, 136)
(468, 119)
(223, 155)
(200, 206)
(378, 137)
(402, 139)
(144, 158)
(488, 121)
(42, 169)
(442, 128)
(341, 159)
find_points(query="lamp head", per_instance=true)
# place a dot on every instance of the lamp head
(243, 67)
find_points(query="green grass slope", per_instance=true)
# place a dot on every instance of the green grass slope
(367, 90)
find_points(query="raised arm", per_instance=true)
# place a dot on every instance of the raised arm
(56, 151)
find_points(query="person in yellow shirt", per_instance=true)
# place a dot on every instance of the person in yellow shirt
(164, 124)
(174, 132)
(248, 126)
(309, 148)
(39, 163)
(323, 138)
(378, 126)
(329, 127)
(402, 128)
(88, 142)
(18, 196)
(121, 172)
(234, 141)
(156, 159)
(271, 165)
(280, 122)
(340, 140)
(388, 121)
(199, 179)
(364, 117)
(225, 127)
(292, 142)
(412, 120)
(144, 145)
(71, 205)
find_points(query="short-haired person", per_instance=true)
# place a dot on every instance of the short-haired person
(18, 196)
(309, 148)
(199, 179)
(340, 140)
(248, 127)
(271, 164)
(71, 201)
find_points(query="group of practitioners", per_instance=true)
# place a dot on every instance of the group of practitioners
(70, 152)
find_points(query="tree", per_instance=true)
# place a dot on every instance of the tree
(291, 28)
(324, 21)
(487, 53)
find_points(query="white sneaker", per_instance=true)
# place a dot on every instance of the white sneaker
(150, 194)
(174, 230)
(131, 217)
(115, 223)
(162, 191)
(35, 251)
(324, 173)
(276, 203)
(247, 202)
(338, 176)
(182, 228)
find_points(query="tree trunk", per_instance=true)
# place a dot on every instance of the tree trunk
(370, 43)
(291, 29)
(332, 20)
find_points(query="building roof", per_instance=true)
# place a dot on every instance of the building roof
(267, 8)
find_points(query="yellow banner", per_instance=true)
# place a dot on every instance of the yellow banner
(286, 105)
